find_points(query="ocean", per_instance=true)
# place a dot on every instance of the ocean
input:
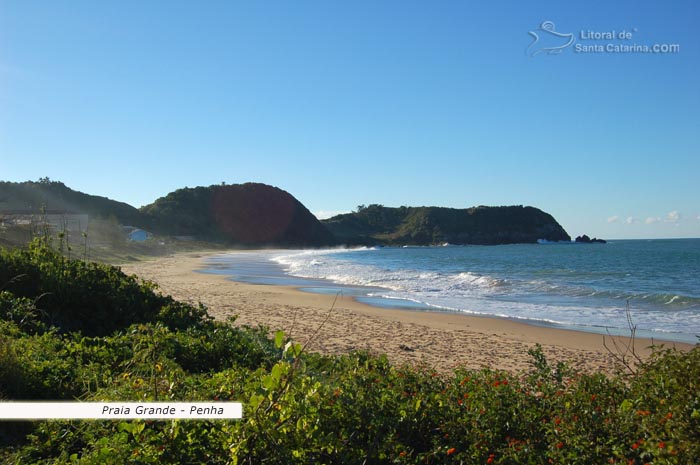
(586, 287)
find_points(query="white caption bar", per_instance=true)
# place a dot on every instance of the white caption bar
(120, 410)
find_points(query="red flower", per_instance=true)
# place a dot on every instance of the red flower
(662, 445)
(490, 459)
(451, 450)
(560, 445)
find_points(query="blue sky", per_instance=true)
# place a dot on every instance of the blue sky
(348, 103)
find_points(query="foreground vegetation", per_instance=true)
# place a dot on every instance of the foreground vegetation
(76, 330)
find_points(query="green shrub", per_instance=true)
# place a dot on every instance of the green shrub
(661, 410)
(38, 367)
(217, 346)
(21, 311)
(92, 298)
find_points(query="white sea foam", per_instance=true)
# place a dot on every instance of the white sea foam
(545, 300)
(327, 265)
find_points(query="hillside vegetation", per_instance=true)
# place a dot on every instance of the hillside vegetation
(243, 214)
(436, 225)
(258, 215)
(48, 195)
(76, 330)
(239, 215)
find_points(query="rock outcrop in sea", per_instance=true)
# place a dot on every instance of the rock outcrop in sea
(587, 240)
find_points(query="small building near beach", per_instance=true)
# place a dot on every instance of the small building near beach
(134, 234)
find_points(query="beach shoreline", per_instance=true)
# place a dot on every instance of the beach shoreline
(439, 340)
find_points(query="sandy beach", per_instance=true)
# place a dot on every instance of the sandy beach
(440, 340)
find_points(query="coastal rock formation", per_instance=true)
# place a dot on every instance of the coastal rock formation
(376, 224)
(587, 240)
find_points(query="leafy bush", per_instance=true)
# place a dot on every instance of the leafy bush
(21, 311)
(217, 346)
(92, 298)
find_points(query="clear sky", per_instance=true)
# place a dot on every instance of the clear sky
(445, 103)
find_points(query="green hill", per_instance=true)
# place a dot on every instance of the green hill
(32, 196)
(436, 225)
(241, 215)
(250, 214)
